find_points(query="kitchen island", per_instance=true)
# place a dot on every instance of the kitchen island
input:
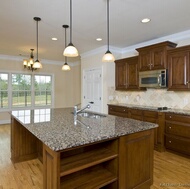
(81, 152)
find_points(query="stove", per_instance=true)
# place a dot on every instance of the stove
(162, 108)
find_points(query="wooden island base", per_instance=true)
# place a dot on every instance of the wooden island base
(120, 163)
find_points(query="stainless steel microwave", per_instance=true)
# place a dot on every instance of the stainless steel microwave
(153, 79)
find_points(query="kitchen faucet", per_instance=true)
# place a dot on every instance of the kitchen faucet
(76, 110)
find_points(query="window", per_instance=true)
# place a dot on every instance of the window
(21, 90)
(4, 90)
(43, 87)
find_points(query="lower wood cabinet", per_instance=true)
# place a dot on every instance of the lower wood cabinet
(177, 133)
(144, 115)
(118, 111)
(136, 160)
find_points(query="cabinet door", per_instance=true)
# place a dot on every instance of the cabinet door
(178, 67)
(144, 60)
(158, 58)
(132, 73)
(136, 160)
(120, 75)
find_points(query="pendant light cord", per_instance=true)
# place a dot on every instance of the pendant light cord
(37, 37)
(65, 43)
(70, 21)
(108, 23)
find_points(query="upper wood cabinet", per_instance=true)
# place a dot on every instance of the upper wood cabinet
(179, 69)
(154, 57)
(126, 74)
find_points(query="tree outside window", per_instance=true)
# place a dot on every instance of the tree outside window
(4, 90)
(21, 90)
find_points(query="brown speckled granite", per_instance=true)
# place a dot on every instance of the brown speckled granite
(151, 108)
(56, 128)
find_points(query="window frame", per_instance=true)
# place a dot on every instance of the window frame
(10, 108)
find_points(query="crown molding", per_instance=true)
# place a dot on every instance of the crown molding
(174, 38)
(54, 62)
(101, 50)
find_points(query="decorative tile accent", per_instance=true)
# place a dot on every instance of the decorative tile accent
(151, 97)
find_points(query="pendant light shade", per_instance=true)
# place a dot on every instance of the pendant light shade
(66, 67)
(70, 50)
(108, 56)
(37, 63)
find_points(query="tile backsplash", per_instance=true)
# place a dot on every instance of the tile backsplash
(151, 97)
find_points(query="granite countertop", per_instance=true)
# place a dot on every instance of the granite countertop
(152, 108)
(59, 129)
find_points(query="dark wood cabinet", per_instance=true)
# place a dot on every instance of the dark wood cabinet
(154, 57)
(136, 114)
(136, 167)
(177, 133)
(118, 111)
(126, 74)
(179, 69)
(143, 115)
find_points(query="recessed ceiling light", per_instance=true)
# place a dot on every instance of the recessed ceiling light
(99, 39)
(54, 39)
(145, 20)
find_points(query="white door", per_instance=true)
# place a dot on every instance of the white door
(92, 90)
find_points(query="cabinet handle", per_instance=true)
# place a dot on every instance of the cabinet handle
(170, 141)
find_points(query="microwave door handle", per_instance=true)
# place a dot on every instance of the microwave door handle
(159, 80)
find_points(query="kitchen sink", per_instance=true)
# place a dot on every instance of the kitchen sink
(91, 115)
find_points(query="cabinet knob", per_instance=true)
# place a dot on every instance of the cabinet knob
(187, 82)
(170, 127)
(170, 141)
(124, 110)
(170, 116)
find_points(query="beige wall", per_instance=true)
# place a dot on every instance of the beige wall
(67, 85)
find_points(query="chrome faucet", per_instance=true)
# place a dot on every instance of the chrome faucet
(76, 110)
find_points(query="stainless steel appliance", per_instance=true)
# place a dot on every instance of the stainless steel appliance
(153, 79)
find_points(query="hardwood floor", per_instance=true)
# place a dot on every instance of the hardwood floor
(170, 171)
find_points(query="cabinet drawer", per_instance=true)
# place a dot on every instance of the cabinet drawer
(178, 144)
(118, 111)
(136, 112)
(177, 117)
(179, 129)
(152, 114)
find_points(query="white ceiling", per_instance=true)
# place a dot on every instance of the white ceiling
(18, 29)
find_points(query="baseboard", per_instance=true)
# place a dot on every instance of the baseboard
(2, 122)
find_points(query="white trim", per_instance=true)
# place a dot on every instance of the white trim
(101, 50)
(44, 61)
(2, 122)
(10, 108)
(174, 38)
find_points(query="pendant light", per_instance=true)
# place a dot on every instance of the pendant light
(37, 63)
(66, 67)
(70, 50)
(108, 56)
